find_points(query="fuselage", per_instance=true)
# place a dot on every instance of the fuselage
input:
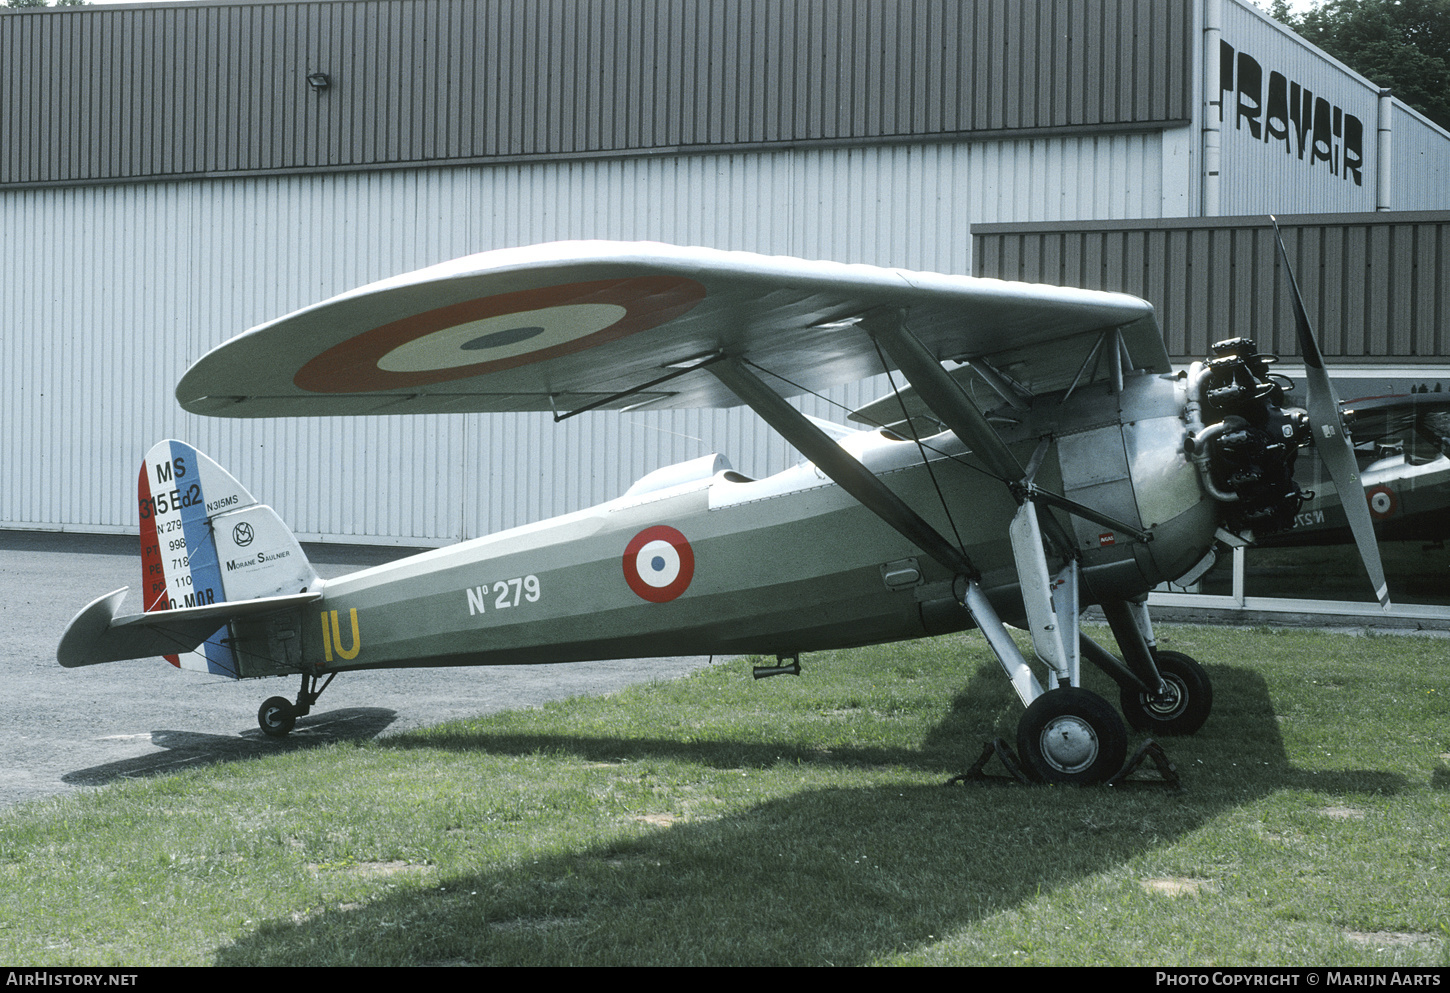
(723, 564)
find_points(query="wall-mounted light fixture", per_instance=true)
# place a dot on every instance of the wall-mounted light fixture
(318, 81)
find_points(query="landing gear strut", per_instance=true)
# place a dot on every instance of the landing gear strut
(278, 715)
(1069, 734)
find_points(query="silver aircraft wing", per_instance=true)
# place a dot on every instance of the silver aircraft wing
(613, 324)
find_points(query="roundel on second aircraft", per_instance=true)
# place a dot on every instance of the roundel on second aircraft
(1381, 501)
(495, 333)
(659, 564)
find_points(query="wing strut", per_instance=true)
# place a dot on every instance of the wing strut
(680, 369)
(843, 468)
(946, 398)
(1049, 597)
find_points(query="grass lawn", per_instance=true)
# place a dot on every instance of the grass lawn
(716, 820)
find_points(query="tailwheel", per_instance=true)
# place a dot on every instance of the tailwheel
(276, 717)
(1184, 706)
(1071, 735)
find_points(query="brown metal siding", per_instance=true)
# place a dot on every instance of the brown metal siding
(1377, 286)
(91, 95)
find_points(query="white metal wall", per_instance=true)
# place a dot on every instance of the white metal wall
(1264, 174)
(1420, 167)
(107, 294)
(1266, 167)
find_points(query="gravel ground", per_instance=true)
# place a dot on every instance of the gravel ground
(69, 729)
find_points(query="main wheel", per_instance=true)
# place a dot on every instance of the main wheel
(1071, 735)
(1186, 706)
(276, 717)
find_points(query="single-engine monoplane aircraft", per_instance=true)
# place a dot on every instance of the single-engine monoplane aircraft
(1041, 456)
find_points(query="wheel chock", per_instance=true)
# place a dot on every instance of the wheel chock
(1003, 751)
(1150, 749)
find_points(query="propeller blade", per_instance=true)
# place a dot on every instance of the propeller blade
(1332, 440)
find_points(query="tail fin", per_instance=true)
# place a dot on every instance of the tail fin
(206, 540)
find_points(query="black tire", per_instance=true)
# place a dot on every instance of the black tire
(276, 717)
(1192, 698)
(1071, 735)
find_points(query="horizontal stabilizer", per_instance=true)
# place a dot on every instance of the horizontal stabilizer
(97, 635)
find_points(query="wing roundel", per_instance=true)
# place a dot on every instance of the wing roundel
(494, 334)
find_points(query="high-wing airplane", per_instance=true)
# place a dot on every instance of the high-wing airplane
(1040, 456)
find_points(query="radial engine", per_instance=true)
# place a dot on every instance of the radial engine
(1244, 439)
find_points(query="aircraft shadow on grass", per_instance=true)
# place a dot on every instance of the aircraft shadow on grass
(686, 893)
(191, 749)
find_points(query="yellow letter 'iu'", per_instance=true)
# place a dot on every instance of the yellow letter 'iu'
(334, 637)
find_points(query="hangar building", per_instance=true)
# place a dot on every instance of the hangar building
(171, 175)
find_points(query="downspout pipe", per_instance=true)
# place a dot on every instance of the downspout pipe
(1212, 106)
(1384, 196)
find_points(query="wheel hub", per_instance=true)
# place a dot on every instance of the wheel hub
(1069, 743)
(1170, 701)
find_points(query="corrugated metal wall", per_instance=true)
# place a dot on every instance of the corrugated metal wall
(1420, 166)
(105, 94)
(1377, 286)
(109, 293)
(1269, 164)
(1300, 130)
